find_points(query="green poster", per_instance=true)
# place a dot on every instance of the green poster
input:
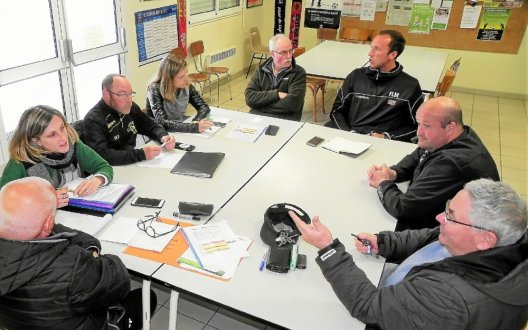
(492, 23)
(421, 18)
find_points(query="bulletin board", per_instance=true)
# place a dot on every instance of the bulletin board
(455, 37)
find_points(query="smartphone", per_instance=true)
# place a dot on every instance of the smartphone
(147, 202)
(315, 141)
(184, 146)
(272, 130)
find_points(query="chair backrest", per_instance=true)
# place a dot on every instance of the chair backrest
(256, 42)
(326, 34)
(456, 64)
(197, 49)
(298, 51)
(179, 52)
(79, 127)
(354, 35)
(446, 83)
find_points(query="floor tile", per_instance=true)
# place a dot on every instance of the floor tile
(195, 308)
(227, 320)
(160, 320)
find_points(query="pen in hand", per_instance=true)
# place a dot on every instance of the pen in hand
(366, 243)
(163, 144)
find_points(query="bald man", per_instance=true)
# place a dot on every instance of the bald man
(53, 277)
(449, 154)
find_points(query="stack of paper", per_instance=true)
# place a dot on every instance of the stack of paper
(213, 249)
(106, 199)
(86, 223)
(344, 146)
(246, 133)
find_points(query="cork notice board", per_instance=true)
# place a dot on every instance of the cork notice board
(455, 37)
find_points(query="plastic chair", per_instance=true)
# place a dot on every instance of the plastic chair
(199, 78)
(259, 51)
(197, 49)
(326, 34)
(314, 84)
(349, 34)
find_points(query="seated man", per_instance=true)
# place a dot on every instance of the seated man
(449, 154)
(111, 126)
(469, 273)
(380, 99)
(277, 88)
(53, 277)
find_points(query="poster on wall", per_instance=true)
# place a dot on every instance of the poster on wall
(399, 12)
(492, 23)
(323, 14)
(351, 8)
(280, 14)
(421, 18)
(150, 25)
(295, 22)
(253, 3)
(182, 26)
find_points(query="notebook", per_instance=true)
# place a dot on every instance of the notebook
(199, 164)
(347, 147)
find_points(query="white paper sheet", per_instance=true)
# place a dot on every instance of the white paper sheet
(143, 241)
(163, 160)
(121, 230)
(83, 222)
(344, 146)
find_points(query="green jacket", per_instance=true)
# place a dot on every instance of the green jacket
(87, 160)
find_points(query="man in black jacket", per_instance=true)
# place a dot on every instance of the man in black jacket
(111, 126)
(449, 154)
(54, 277)
(380, 99)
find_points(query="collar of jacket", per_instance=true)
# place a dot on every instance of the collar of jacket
(267, 67)
(376, 74)
(111, 111)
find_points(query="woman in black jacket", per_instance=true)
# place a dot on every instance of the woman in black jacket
(168, 95)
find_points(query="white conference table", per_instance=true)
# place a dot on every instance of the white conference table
(322, 183)
(335, 60)
(242, 160)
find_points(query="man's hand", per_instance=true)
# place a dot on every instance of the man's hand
(89, 186)
(169, 141)
(379, 173)
(282, 95)
(378, 135)
(373, 243)
(204, 124)
(152, 151)
(315, 233)
(62, 197)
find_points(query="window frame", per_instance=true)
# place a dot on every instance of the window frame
(213, 15)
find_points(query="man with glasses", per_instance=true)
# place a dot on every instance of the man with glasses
(379, 99)
(54, 277)
(112, 125)
(277, 88)
(471, 272)
(449, 154)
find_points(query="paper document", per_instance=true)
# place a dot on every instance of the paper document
(219, 123)
(121, 230)
(143, 241)
(344, 146)
(246, 133)
(86, 223)
(109, 194)
(163, 160)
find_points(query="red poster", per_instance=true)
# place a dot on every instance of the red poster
(295, 22)
(182, 26)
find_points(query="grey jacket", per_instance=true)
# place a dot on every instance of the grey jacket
(481, 290)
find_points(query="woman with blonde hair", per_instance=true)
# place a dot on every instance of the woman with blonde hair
(45, 145)
(168, 94)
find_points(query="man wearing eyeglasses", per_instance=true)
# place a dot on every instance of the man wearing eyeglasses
(379, 99)
(278, 87)
(449, 154)
(112, 125)
(471, 272)
(54, 277)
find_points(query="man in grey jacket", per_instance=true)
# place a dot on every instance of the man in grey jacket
(278, 87)
(479, 282)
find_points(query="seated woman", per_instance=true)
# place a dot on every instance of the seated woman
(46, 146)
(168, 95)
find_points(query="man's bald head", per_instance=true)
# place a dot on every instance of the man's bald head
(27, 209)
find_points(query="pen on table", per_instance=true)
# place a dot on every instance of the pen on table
(186, 216)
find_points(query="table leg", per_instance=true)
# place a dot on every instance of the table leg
(145, 295)
(173, 309)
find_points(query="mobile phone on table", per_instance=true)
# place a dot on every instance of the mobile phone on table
(315, 141)
(272, 130)
(184, 146)
(147, 202)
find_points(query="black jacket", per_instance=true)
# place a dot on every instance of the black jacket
(262, 91)
(156, 110)
(380, 102)
(113, 135)
(57, 283)
(483, 290)
(435, 180)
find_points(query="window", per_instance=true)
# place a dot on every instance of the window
(63, 60)
(207, 10)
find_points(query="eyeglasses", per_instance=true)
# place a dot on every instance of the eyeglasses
(446, 215)
(122, 95)
(145, 225)
(284, 52)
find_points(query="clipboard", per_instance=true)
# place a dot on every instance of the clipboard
(198, 164)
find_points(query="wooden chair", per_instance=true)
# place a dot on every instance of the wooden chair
(349, 34)
(444, 85)
(197, 49)
(260, 52)
(199, 78)
(326, 34)
(314, 84)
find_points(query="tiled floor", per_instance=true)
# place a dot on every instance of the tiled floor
(500, 122)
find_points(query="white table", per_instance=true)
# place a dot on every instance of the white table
(322, 183)
(335, 60)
